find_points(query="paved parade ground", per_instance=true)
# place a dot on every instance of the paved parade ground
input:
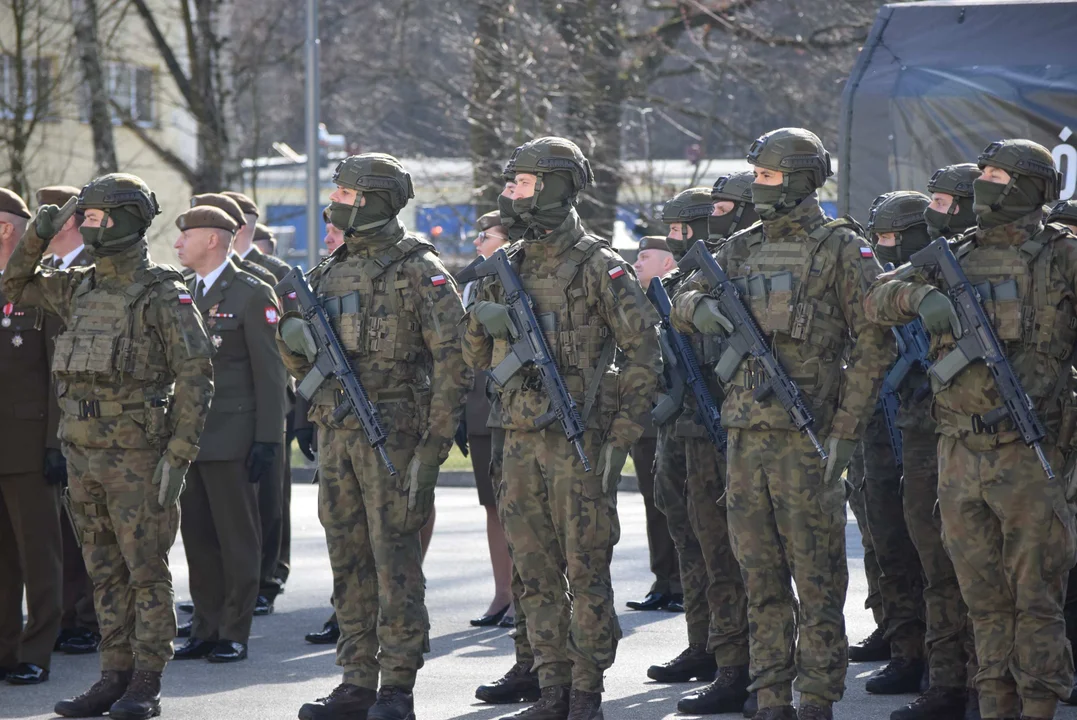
(283, 671)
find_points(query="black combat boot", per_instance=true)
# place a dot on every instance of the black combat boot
(553, 704)
(873, 648)
(901, 675)
(972, 705)
(583, 705)
(328, 635)
(751, 705)
(346, 702)
(781, 712)
(695, 663)
(393, 703)
(142, 699)
(938, 703)
(99, 698)
(726, 694)
(519, 684)
(815, 712)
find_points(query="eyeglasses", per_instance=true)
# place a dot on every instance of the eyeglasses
(485, 235)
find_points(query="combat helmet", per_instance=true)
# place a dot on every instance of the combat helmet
(789, 150)
(376, 172)
(130, 204)
(1064, 211)
(736, 188)
(1024, 158)
(551, 154)
(900, 213)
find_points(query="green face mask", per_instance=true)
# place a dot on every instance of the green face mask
(125, 231)
(358, 221)
(960, 218)
(993, 208)
(551, 205)
(772, 201)
(888, 254)
(512, 222)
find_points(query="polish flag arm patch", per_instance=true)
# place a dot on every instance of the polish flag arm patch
(866, 252)
(616, 272)
(185, 299)
(438, 280)
(272, 316)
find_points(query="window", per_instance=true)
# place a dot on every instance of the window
(131, 87)
(37, 87)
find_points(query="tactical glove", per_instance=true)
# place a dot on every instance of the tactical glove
(422, 479)
(839, 453)
(939, 315)
(304, 438)
(169, 479)
(611, 460)
(495, 318)
(708, 318)
(55, 467)
(260, 461)
(297, 336)
(51, 219)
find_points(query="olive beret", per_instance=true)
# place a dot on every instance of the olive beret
(56, 195)
(12, 203)
(206, 216)
(654, 242)
(221, 202)
(245, 203)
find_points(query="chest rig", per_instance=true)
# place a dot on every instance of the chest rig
(107, 341)
(368, 302)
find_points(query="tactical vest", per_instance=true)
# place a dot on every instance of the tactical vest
(789, 285)
(577, 336)
(365, 299)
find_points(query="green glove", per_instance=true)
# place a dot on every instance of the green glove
(297, 336)
(169, 478)
(939, 315)
(422, 479)
(611, 460)
(51, 219)
(839, 453)
(708, 318)
(495, 318)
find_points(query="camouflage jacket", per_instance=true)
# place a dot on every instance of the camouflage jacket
(804, 278)
(586, 297)
(398, 315)
(133, 366)
(1027, 277)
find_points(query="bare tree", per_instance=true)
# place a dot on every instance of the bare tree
(84, 19)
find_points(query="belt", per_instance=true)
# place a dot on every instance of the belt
(971, 423)
(83, 409)
(335, 396)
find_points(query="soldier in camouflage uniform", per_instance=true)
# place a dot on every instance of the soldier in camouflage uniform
(950, 653)
(395, 309)
(689, 216)
(561, 522)
(805, 277)
(134, 382)
(894, 218)
(1008, 528)
(1064, 212)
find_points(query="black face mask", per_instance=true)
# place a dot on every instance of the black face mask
(957, 220)
(677, 247)
(512, 222)
(888, 254)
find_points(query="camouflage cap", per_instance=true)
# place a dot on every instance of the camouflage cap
(117, 190)
(1027, 158)
(954, 180)
(11, 203)
(654, 242)
(56, 195)
(551, 154)
(1064, 211)
(897, 211)
(376, 172)
(221, 202)
(262, 232)
(790, 149)
(688, 205)
(736, 187)
(245, 203)
(206, 216)
(487, 221)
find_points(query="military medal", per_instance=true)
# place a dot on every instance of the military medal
(17, 340)
(216, 340)
(6, 322)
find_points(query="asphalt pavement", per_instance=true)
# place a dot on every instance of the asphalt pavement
(283, 671)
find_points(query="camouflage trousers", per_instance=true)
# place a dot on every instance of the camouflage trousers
(521, 642)
(950, 652)
(786, 525)
(378, 585)
(726, 597)
(1010, 533)
(562, 525)
(671, 498)
(125, 544)
(857, 503)
(900, 581)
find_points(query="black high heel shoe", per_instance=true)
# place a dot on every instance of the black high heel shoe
(491, 620)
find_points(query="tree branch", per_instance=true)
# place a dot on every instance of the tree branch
(168, 157)
(174, 68)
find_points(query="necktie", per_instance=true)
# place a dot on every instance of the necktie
(199, 289)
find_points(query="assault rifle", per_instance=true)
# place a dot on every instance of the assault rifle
(978, 342)
(747, 339)
(684, 368)
(332, 362)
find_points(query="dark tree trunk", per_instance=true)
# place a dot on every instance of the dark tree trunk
(487, 105)
(84, 17)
